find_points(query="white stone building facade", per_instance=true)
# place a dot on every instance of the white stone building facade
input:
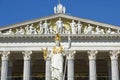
(91, 54)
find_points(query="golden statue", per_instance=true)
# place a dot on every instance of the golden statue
(45, 53)
(58, 48)
(57, 38)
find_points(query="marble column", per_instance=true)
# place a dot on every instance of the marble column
(92, 64)
(10, 70)
(114, 64)
(4, 65)
(70, 66)
(26, 71)
(48, 69)
(46, 55)
(109, 71)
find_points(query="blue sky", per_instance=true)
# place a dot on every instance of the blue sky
(15, 11)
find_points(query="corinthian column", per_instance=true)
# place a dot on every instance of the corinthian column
(114, 64)
(26, 71)
(92, 64)
(47, 69)
(70, 69)
(4, 65)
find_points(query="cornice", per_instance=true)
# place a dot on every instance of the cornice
(82, 36)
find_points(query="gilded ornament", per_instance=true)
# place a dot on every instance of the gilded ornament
(45, 52)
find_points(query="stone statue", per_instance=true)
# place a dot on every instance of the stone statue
(59, 9)
(46, 27)
(56, 56)
(108, 31)
(20, 31)
(73, 27)
(51, 30)
(0, 32)
(98, 30)
(89, 30)
(55, 9)
(59, 26)
(64, 10)
(79, 27)
(57, 60)
(102, 31)
(118, 31)
(40, 31)
(9, 32)
(30, 29)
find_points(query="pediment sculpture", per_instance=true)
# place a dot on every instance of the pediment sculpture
(61, 26)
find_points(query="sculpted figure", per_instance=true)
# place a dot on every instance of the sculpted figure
(73, 27)
(118, 31)
(59, 8)
(98, 30)
(108, 31)
(64, 10)
(30, 29)
(0, 32)
(59, 26)
(56, 57)
(113, 32)
(102, 31)
(46, 27)
(40, 31)
(88, 30)
(79, 27)
(9, 32)
(57, 60)
(20, 31)
(55, 9)
(51, 30)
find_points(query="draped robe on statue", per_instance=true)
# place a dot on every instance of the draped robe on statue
(57, 61)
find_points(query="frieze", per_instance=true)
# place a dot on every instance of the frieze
(62, 26)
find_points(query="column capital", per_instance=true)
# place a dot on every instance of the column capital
(92, 54)
(71, 54)
(27, 55)
(114, 54)
(4, 54)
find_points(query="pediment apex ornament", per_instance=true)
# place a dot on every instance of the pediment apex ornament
(114, 54)
(59, 9)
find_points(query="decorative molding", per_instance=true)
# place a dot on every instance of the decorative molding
(27, 55)
(114, 54)
(92, 54)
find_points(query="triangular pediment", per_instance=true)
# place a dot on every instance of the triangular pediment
(60, 23)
